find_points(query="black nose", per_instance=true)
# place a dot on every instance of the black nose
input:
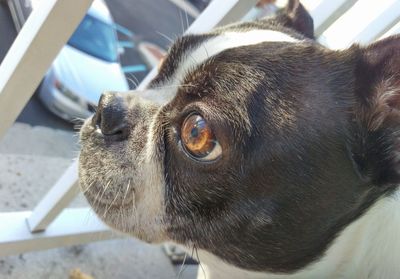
(111, 117)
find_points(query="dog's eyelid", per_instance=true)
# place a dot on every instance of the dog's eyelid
(215, 154)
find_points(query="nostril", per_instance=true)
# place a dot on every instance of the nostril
(112, 121)
(112, 131)
(110, 117)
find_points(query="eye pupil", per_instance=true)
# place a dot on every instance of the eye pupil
(195, 132)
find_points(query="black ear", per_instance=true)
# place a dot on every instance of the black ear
(295, 16)
(377, 112)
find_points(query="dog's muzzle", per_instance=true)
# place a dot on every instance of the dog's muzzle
(120, 169)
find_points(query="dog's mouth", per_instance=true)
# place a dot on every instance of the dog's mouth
(113, 201)
(100, 166)
(119, 183)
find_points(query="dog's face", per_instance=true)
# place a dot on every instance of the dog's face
(253, 142)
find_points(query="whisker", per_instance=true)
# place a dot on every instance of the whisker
(133, 201)
(205, 49)
(165, 36)
(78, 119)
(182, 268)
(127, 190)
(111, 204)
(182, 24)
(89, 216)
(173, 86)
(198, 259)
(90, 186)
(187, 19)
(97, 199)
(136, 80)
(132, 81)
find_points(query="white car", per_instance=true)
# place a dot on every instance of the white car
(86, 66)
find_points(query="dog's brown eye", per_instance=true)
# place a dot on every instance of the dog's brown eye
(198, 139)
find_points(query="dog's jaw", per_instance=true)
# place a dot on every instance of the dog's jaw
(368, 248)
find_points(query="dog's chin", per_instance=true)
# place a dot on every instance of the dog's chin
(121, 197)
(128, 215)
(126, 218)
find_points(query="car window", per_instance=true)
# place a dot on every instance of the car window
(95, 38)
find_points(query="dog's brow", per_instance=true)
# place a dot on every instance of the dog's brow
(189, 58)
(226, 41)
(176, 54)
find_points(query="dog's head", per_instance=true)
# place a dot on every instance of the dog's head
(253, 142)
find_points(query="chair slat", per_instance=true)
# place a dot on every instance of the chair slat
(327, 11)
(383, 22)
(392, 31)
(311, 4)
(363, 22)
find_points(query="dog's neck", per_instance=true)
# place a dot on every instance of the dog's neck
(368, 248)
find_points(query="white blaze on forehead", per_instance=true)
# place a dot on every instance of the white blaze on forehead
(226, 41)
(208, 49)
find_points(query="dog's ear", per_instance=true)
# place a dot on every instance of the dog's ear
(376, 116)
(295, 16)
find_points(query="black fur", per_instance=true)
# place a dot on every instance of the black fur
(298, 164)
(310, 140)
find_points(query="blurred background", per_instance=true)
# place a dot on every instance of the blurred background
(133, 34)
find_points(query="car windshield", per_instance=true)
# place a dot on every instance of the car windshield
(95, 38)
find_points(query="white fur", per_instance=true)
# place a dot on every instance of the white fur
(226, 41)
(207, 50)
(368, 248)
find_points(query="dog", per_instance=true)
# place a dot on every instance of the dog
(261, 150)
